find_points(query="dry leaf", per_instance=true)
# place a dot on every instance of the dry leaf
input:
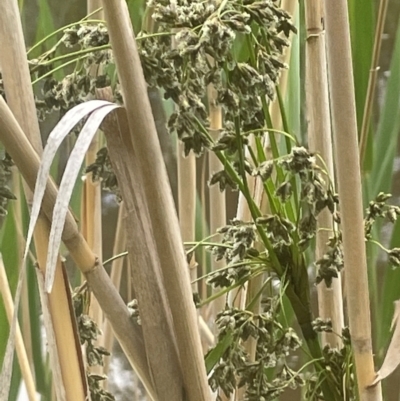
(392, 358)
(70, 175)
(60, 131)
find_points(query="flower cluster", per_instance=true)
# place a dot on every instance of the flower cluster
(378, 209)
(338, 366)
(236, 248)
(206, 35)
(321, 325)
(88, 334)
(277, 229)
(89, 37)
(79, 86)
(274, 344)
(315, 195)
(102, 171)
(133, 308)
(2, 92)
(97, 393)
(332, 262)
(85, 36)
(72, 90)
(5, 193)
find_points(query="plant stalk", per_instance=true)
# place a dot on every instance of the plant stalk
(342, 97)
(19, 93)
(217, 199)
(330, 304)
(19, 341)
(163, 219)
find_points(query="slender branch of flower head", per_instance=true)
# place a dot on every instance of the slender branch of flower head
(60, 67)
(205, 243)
(62, 29)
(121, 255)
(285, 125)
(251, 304)
(255, 211)
(81, 52)
(239, 283)
(233, 265)
(253, 156)
(277, 131)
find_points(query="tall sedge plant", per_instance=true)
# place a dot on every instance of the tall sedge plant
(252, 353)
(243, 90)
(344, 121)
(187, 203)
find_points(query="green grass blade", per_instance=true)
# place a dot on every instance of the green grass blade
(15, 381)
(11, 259)
(45, 24)
(381, 180)
(216, 353)
(386, 141)
(136, 11)
(388, 128)
(362, 25)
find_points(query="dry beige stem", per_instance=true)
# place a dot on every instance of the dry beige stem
(330, 302)
(93, 5)
(342, 98)
(115, 275)
(217, 200)
(18, 89)
(19, 342)
(91, 193)
(187, 180)
(55, 363)
(290, 6)
(187, 203)
(147, 277)
(157, 200)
